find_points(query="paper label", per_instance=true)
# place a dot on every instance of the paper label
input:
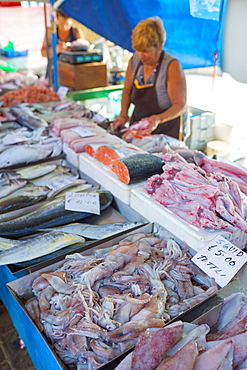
(128, 151)
(83, 202)
(62, 91)
(61, 182)
(220, 259)
(83, 132)
(99, 118)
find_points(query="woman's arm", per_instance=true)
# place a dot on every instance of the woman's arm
(125, 102)
(43, 48)
(176, 89)
(59, 47)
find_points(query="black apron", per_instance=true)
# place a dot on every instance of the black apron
(146, 104)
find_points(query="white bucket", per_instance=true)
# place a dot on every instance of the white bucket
(218, 147)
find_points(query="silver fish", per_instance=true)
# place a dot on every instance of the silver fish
(11, 186)
(50, 214)
(8, 243)
(26, 196)
(41, 245)
(57, 172)
(32, 172)
(22, 154)
(97, 231)
(6, 176)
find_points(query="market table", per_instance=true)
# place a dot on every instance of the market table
(99, 92)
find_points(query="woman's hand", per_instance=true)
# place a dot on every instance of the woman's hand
(151, 122)
(60, 47)
(119, 122)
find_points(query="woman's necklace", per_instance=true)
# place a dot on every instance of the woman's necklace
(141, 75)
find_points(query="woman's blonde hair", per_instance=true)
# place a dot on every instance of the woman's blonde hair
(149, 32)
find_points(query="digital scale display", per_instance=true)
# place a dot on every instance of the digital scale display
(78, 57)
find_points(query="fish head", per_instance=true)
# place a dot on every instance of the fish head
(198, 157)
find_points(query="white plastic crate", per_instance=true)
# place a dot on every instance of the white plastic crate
(202, 124)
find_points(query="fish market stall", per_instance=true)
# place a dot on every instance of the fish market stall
(33, 197)
(113, 280)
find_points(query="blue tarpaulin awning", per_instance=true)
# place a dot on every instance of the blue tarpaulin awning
(193, 40)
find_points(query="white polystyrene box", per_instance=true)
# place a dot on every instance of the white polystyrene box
(71, 156)
(196, 238)
(103, 175)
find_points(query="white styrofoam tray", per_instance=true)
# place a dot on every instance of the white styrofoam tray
(196, 238)
(71, 156)
(103, 175)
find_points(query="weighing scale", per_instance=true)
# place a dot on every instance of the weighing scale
(79, 55)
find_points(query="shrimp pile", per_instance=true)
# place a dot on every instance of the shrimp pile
(95, 306)
(28, 94)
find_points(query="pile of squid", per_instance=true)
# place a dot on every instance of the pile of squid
(93, 307)
(191, 346)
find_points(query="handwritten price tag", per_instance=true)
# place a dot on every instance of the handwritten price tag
(59, 183)
(83, 132)
(98, 117)
(62, 91)
(128, 151)
(220, 259)
(83, 202)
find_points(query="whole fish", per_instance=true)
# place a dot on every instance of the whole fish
(26, 196)
(25, 116)
(8, 243)
(39, 246)
(60, 171)
(22, 154)
(52, 213)
(52, 176)
(212, 165)
(6, 176)
(17, 136)
(97, 231)
(32, 172)
(11, 187)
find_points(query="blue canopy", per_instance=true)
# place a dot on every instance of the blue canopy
(190, 38)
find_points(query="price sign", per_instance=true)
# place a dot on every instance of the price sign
(60, 182)
(128, 151)
(99, 118)
(83, 202)
(220, 259)
(83, 132)
(62, 91)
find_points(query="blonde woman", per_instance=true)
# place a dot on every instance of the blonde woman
(154, 83)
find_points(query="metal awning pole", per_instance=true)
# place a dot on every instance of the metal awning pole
(49, 72)
(53, 47)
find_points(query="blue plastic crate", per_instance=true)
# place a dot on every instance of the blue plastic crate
(12, 53)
